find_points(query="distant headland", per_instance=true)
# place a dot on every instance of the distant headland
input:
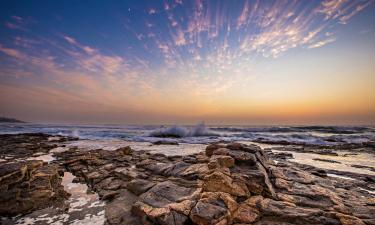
(10, 120)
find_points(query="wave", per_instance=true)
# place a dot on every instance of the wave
(179, 132)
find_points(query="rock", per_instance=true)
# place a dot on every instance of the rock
(27, 186)
(211, 148)
(158, 215)
(319, 172)
(275, 211)
(183, 207)
(349, 220)
(257, 180)
(125, 173)
(243, 157)
(245, 214)
(283, 155)
(166, 203)
(189, 159)
(125, 150)
(118, 211)
(110, 195)
(93, 175)
(165, 193)
(251, 148)
(227, 184)
(165, 142)
(109, 183)
(371, 201)
(235, 146)
(194, 171)
(228, 200)
(220, 182)
(139, 186)
(222, 160)
(208, 211)
(12, 173)
(221, 151)
(326, 160)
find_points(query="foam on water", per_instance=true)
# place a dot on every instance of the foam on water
(45, 158)
(180, 132)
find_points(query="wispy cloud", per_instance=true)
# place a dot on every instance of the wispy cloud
(18, 23)
(12, 52)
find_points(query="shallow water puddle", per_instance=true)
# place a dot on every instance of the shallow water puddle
(345, 162)
(339, 176)
(84, 208)
(111, 145)
(369, 191)
(45, 158)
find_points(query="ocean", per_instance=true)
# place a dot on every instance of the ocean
(202, 134)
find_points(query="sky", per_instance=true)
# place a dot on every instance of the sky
(186, 61)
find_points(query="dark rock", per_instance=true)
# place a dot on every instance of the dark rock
(165, 193)
(207, 212)
(110, 195)
(118, 211)
(165, 142)
(326, 160)
(139, 186)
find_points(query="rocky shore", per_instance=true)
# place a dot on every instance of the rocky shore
(228, 183)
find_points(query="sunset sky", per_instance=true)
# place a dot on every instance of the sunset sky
(184, 61)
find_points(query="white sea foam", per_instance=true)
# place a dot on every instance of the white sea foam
(75, 133)
(179, 131)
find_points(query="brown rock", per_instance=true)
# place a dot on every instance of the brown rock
(26, 186)
(139, 186)
(221, 151)
(207, 212)
(245, 214)
(125, 150)
(222, 160)
(243, 157)
(219, 182)
(118, 211)
(349, 220)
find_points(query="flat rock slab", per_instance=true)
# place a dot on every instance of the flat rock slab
(165, 193)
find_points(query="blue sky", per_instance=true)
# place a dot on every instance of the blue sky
(185, 61)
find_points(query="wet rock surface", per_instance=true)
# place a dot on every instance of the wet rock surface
(225, 184)
(27, 186)
(26, 145)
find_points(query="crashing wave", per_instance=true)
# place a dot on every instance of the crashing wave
(180, 132)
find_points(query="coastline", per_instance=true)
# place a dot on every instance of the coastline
(261, 186)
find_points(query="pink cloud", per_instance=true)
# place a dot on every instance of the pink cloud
(12, 52)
